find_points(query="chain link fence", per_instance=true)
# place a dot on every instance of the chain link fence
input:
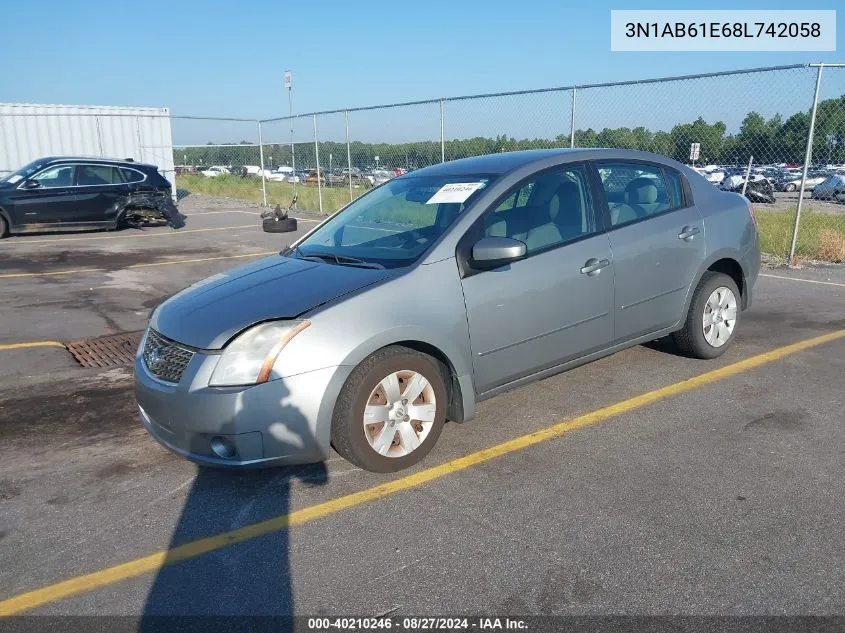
(777, 134)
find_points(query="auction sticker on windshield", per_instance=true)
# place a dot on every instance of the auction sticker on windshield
(455, 192)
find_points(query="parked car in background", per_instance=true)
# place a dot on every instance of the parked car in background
(539, 261)
(792, 182)
(758, 189)
(713, 173)
(214, 171)
(313, 176)
(832, 188)
(66, 193)
(381, 176)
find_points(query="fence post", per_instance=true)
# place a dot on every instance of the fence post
(319, 175)
(747, 174)
(572, 121)
(348, 152)
(261, 157)
(442, 140)
(807, 157)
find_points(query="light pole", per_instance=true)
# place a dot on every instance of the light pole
(330, 170)
(289, 86)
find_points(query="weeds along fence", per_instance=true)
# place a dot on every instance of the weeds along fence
(787, 122)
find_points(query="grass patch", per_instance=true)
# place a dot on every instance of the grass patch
(277, 192)
(820, 236)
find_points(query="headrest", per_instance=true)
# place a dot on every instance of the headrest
(567, 197)
(641, 191)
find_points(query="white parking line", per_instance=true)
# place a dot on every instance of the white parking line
(808, 281)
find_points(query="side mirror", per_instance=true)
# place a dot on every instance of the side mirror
(30, 184)
(492, 252)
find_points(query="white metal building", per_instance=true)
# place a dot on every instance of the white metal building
(30, 131)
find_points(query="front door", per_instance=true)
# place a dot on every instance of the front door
(49, 201)
(553, 306)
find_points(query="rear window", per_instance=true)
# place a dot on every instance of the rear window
(98, 175)
(130, 175)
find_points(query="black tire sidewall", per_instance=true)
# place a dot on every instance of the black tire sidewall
(4, 227)
(694, 330)
(348, 424)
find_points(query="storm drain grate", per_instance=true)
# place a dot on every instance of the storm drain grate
(112, 350)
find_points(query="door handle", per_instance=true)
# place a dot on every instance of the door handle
(688, 232)
(593, 266)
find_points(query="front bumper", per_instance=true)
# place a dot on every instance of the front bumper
(285, 421)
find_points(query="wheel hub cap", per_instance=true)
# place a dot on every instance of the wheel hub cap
(719, 319)
(399, 413)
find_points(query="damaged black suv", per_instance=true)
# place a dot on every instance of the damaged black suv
(70, 193)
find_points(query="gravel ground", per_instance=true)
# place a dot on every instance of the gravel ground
(785, 201)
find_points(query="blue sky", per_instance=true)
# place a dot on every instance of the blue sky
(227, 58)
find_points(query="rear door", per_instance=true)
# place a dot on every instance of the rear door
(99, 189)
(657, 237)
(48, 203)
(557, 303)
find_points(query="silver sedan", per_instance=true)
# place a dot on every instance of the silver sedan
(436, 290)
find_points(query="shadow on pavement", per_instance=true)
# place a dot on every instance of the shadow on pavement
(215, 591)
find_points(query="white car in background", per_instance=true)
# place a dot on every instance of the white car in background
(381, 176)
(713, 173)
(280, 174)
(214, 171)
(812, 183)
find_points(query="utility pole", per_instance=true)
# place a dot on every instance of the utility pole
(289, 86)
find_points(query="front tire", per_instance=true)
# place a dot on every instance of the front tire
(791, 187)
(713, 317)
(391, 410)
(4, 227)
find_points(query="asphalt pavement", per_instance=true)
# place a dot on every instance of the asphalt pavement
(715, 496)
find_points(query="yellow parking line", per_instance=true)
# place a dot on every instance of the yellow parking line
(31, 344)
(131, 235)
(73, 271)
(807, 281)
(88, 582)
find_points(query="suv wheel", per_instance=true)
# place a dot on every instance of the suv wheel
(713, 317)
(4, 227)
(391, 410)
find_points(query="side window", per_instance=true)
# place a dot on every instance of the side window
(130, 175)
(98, 175)
(636, 191)
(552, 208)
(676, 189)
(58, 176)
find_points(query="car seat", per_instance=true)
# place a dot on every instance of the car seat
(564, 219)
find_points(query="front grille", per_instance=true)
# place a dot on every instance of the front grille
(164, 358)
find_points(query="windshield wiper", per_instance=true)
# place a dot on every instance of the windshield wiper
(343, 260)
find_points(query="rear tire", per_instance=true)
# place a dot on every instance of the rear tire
(713, 317)
(400, 431)
(791, 187)
(4, 227)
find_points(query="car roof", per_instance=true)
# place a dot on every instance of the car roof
(122, 162)
(504, 162)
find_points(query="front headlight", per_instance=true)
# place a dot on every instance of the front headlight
(249, 359)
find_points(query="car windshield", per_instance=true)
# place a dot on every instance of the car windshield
(394, 224)
(24, 172)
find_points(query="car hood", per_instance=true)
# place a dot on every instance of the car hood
(210, 312)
